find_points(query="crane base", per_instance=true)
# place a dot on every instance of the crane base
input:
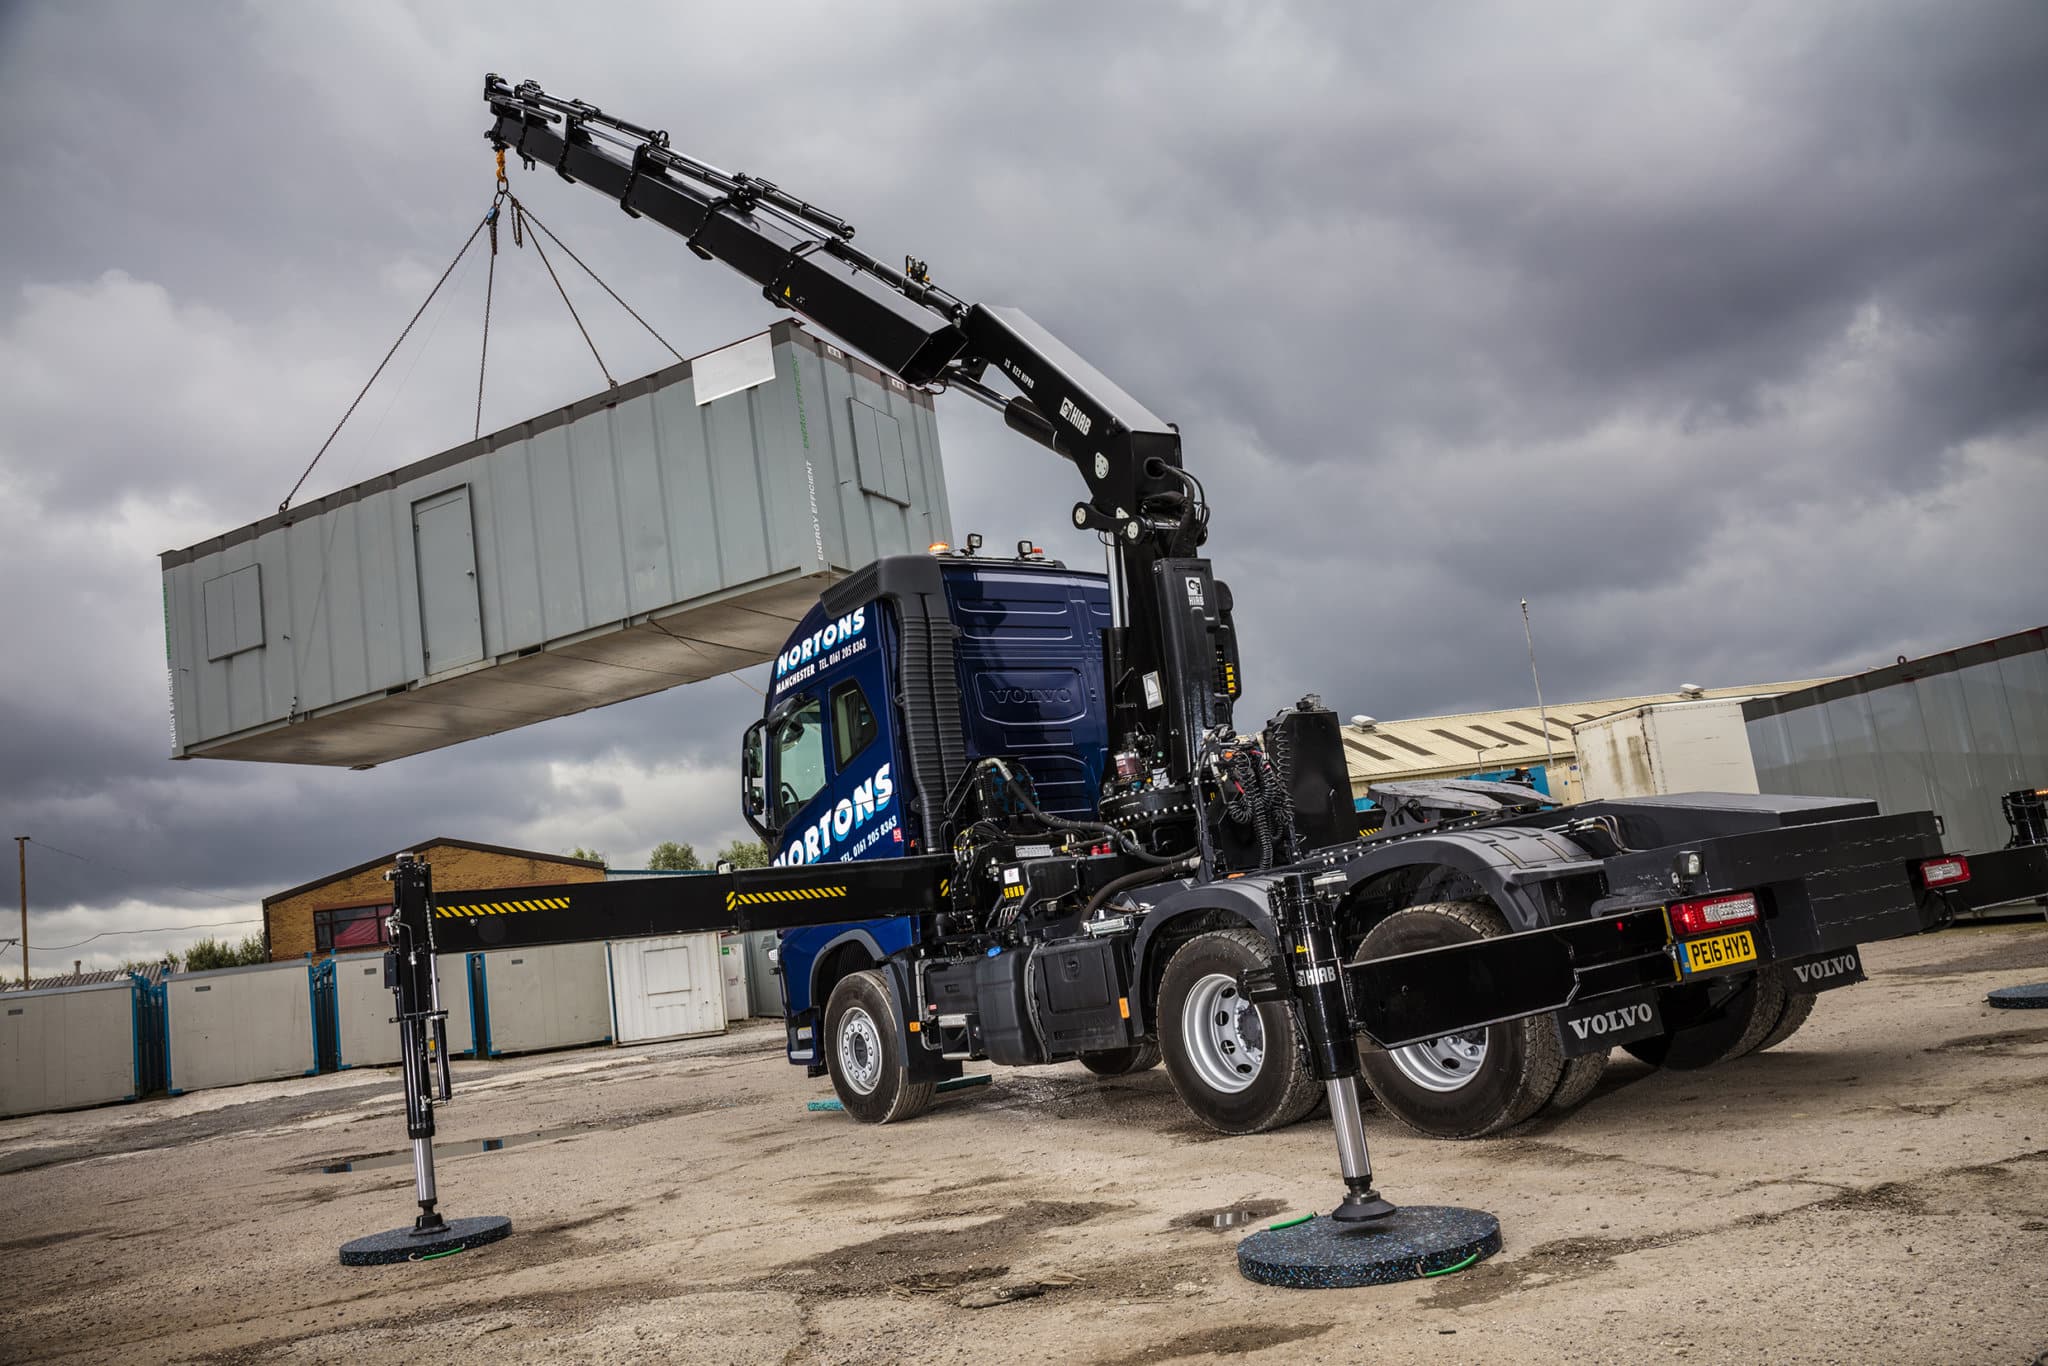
(2031, 997)
(410, 1245)
(1412, 1242)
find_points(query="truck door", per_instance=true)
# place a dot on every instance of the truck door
(825, 784)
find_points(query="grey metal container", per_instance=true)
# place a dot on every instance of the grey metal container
(668, 530)
(62, 1048)
(227, 1026)
(1951, 733)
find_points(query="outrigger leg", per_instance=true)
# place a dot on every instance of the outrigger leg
(1365, 1240)
(423, 1056)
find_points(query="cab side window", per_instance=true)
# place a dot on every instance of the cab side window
(799, 745)
(853, 723)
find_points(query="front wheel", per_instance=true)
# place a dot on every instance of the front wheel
(1470, 1084)
(865, 1055)
(1234, 1063)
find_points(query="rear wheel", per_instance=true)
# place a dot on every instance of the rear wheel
(1471, 1084)
(1716, 1033)
(1798, 1006)
(865, 1055)
(1580, 1076)
(1234, 1063)
(1142, 1056)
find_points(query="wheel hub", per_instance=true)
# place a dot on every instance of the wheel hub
(1225, 1038)
(860, 1051)
(1448, 1063)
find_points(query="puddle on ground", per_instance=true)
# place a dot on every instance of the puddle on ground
(473, 1145)
(1230, 1216)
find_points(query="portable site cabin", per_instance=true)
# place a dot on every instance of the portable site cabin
(64, 1048)
(670, 529)
(453, 972)
(365, 1032)
(667, 987)
(1665, 747)
(525, 1000)
(235, 1025)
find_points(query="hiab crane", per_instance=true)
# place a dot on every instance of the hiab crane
(1013, 818)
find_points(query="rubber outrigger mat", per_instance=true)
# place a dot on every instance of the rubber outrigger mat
(403, 1245)
(1413, 1242)
(2034, 996)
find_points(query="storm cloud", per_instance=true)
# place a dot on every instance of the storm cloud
(1716, 331)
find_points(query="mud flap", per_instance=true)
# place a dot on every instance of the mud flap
(1824, 971)
(920, 1063)
(1604, 1022)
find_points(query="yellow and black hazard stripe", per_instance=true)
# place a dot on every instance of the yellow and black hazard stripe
(546, 903)
(1013, 892)
(733, 900)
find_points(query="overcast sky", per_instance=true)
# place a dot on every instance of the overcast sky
(1717, 331)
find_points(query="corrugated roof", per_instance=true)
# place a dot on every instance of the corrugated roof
(1481, 741)
(153, 973)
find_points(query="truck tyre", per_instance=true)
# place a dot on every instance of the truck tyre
(1798, 1006)
(1141, 1056)
(1722, 1033)
(1580, 1076)
(1236, 1065)
(1462, 1085)
(864, 1053)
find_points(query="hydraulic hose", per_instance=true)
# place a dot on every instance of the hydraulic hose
(1184, 864)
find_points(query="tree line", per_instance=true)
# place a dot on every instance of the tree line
(671, 856)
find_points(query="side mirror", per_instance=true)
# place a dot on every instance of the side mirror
(754, 776)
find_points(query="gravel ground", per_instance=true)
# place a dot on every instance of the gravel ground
(1876, 1190)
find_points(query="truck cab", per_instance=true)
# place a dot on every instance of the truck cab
(903, 674)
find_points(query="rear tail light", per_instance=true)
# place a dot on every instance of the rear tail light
(1712, 913)
(1945, 872)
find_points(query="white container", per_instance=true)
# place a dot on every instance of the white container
(732, 968)
(1663, 748)
(453, 969)
(558, 996)
(667, 987)
(365, 1033)
(647, 536)
(67, 1047)
(235, 1025)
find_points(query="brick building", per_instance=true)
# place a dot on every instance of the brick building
(346, 910)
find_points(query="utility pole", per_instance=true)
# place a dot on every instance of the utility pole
(21, 855)
(1542, 716)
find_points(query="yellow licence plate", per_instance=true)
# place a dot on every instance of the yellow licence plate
(1723, 950)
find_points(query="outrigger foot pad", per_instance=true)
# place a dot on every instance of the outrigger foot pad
(1413, 1242)
(416, 1244)
(2031, 997)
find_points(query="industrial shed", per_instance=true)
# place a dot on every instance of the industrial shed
(1949, 733)
(346, 910)
(669, 529)
(1490, 743)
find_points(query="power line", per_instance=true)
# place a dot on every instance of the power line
(154, 929)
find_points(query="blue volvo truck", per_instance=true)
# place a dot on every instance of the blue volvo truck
(1015, 817)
